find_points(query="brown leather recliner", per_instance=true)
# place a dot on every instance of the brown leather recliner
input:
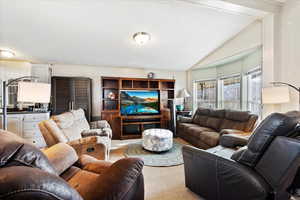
(26, 173)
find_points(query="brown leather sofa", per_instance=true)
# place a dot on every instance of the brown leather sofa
(265, 169)
(204, 129)
(26, 173)
(72, 128)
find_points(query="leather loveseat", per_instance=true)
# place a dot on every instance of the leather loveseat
(265, 169)
(58, 173)
(72, 128)
(204, 129)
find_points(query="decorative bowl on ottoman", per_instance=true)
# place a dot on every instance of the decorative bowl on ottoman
(157, 140)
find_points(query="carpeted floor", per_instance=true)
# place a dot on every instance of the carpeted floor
(161, 183)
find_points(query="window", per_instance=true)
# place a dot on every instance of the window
(236, 92)
(254, 87)
(206, 93)
(230, 92)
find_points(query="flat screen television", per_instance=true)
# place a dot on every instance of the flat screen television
(139, 102)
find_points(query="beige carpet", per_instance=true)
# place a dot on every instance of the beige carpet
(161, 183)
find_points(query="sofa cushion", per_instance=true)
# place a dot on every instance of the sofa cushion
(210, 137)
(64, 120)
(241, 116)
(70, 128)
(55, 131)
(217, 113)
(203, 111)
(197, 130)
(61, 156)
(201, 120)
(231, 124)
(200, 112)
(214, 123)
(72, 133)
(185, 126)
(274, 125)
(80, 120)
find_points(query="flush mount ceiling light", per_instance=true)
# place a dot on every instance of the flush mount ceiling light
(6, 53)
(141, 38)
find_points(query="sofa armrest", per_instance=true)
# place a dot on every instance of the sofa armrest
(185, 119)
(92, 146)
(97, 132)
(126, 177)
(215, 177)
(233, 140)
(21, 183)
(62, 156)
(92, 164)
(234, 131)
(99, 124)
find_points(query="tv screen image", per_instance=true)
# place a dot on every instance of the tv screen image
(139, 102)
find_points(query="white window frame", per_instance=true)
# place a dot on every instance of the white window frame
(195, 97)
(220, 89)
(247, 75)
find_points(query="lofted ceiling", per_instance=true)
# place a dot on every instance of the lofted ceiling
(99, 32)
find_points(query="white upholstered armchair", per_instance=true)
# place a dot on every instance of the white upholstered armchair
(73, 128)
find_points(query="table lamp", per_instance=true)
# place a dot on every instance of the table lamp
(27, 92)
(34, 92)
(184, 94)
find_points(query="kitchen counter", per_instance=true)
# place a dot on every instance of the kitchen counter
(24, 112)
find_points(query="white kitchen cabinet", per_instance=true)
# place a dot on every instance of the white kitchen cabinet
(26, 126)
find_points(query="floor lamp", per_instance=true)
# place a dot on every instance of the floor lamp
(274, 96)
(289, 85)
(27, 92)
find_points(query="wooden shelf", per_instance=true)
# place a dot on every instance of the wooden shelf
(110, 99)
(128, 123)
(110, 111)
(127, 83)
(129, 127)
(110, 83)
(141, 116)
(132, 136)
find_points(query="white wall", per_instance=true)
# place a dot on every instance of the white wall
(289, 43)
(95, 73)
(249, 38)
(14, 69)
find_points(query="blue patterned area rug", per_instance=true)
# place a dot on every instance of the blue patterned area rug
(169, 158)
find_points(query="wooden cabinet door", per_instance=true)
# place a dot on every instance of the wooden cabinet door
(81, 95)
(114, 120)
(61, 95)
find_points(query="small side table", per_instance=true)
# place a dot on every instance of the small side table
(184, 113)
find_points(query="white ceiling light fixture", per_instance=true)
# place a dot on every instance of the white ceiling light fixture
(141, 38)
(6, 54)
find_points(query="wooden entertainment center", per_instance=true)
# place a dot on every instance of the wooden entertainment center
(132, 126)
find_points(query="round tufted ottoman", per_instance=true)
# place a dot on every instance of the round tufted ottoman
(157, 140)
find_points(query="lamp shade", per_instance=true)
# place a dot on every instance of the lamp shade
(34, 92)
(183, 93)
(275, 95)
